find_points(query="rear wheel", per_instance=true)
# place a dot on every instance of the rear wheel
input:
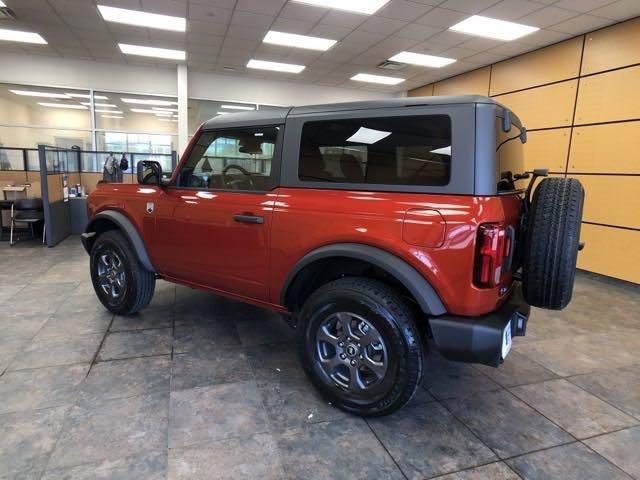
(121, 283)
(552, 243)
(360, 347)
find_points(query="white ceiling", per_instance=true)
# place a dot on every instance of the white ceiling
(224, 34)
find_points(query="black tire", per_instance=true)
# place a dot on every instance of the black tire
(365, 302)
(137, 283)
(551, 246)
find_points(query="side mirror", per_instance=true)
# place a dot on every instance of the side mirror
(149, 172)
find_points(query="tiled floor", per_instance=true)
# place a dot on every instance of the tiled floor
(199, 387)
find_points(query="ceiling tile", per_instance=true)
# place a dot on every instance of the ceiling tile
(267, 7)
(367, 38)
(211, 28)
(330, 31)
(441, 18)
(250, 19)
(511, 9)
(620, 10)
(543, 37)
(480, 44)
(581, 24)
(382, 25)
(299, 11)
(547, 16)
(581, 5)
(290, 25)
(343, 19)
(165, 7)
(403, 10)
(209, 13)
(417, 32)
(467, 6)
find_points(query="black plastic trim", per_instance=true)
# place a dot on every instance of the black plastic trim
(479, 339)
(129, 230)
(413, 281)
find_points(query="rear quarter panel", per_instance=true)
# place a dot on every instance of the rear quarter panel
(306, 219)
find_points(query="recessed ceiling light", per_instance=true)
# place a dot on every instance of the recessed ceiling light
(63, 105)
(298, 41)
(359, 6)
(109, 111)
(105, 105)
(19, 36)
(237, 107)
(29, 93)
(365, 77)
(146, 101)
(493, 28)
(143, 51)
(143, 19)
(422, 59)
(112, 116)
(275, 66)
(85, 95)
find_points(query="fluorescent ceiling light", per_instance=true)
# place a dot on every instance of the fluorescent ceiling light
(222, 113)
(145, 101)
(2, 4)
(298, 41)
(368, 136)
(275, 66)
(359, 6)
(29, 93)
(109, 111)
(164, 109)
(63, 105)
(493, 28)
(19, 36)
(422, 59)
(106, 105)
(143, 19)
(442, 151)
(85, 95)
(161, 114)
(141, 50)
(112, 116)
(237, 107)
(147, 110)
(365, 77)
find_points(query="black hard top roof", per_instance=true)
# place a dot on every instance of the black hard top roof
(279, 115)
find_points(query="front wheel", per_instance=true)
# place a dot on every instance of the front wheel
(121, 283)
(360, 346)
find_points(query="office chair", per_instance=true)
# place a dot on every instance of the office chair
(27, 210)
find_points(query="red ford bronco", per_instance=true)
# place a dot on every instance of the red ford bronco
(376, 226)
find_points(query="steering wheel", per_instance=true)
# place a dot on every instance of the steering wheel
(232, 183)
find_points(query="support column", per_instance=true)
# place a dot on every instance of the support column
(183, 113)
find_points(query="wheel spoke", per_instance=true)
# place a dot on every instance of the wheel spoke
(345, 321)
(378, 368)
(355, 383)
(325, 336)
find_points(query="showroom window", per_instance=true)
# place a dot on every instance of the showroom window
(234, 159)
(390, 150)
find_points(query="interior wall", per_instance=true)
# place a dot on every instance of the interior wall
(580, 102)
(41, 70)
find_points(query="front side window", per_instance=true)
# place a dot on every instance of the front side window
(412, 150)
(233, 159)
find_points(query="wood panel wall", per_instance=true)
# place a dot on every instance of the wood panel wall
(580, 101)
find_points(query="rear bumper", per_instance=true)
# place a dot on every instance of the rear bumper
(481, 339)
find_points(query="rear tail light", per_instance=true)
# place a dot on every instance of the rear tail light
(492, 247)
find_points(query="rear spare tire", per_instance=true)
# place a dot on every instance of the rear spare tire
(552, 243)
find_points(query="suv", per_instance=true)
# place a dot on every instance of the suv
(375, 226)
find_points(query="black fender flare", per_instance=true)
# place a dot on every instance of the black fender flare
(127, 227)
(412, 280)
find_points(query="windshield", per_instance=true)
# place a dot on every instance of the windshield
(509, 153)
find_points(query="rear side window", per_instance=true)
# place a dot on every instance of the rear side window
(412, 150)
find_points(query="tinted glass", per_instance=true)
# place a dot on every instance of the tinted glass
(234, 159)
(509, 153)
(389, 150)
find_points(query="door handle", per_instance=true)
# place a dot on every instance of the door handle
(243, 218)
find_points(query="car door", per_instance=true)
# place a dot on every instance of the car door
(213, 223)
